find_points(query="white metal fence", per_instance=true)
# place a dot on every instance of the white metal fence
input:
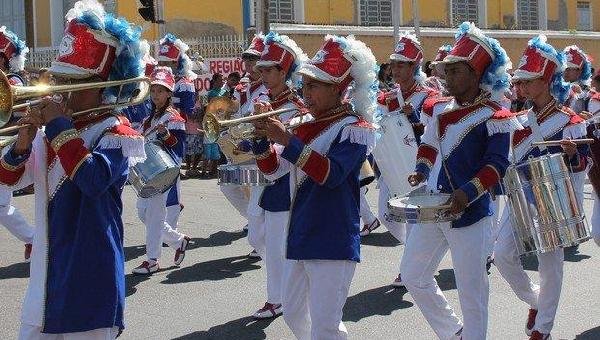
(206, 46)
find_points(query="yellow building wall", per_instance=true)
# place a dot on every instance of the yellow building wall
(42, 24)
(432, 12)
(500, 13)
(227, 12)
(329, 11)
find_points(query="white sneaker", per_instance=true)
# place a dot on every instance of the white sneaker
(398, 282)
(146, 268)
(268, 311)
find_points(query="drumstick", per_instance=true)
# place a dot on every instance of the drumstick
(557, 142)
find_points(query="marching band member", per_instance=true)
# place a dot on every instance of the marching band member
(281, 57)
(578, 72)
(173, 53)
(437, 81)
(323, 158)
(79, 166)
(245, 95)
(406, 98)
(165, 125)
(464, 152)
(593, 131)
(12, 61)
(539, 76)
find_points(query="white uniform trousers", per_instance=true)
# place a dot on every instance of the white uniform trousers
(237, 197)
(12, 219)
(397, 229)
(173, 211)
(152, 212)
(427, 245)
(30, 332)
(595, 220)
(314, 294)
(256, 221)
(545, 297)
(274, 239)
(365, 209)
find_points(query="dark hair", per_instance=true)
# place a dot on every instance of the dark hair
(235, 75)
(214, 78)
(382, 69)
(6, 61)
(427, 68)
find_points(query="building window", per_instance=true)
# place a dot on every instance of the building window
(12, 15)
(281, 10)
(528, 14)
(584, 16)
(376, 12)
(464, 10)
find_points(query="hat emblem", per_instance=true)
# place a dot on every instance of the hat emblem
(66, 45)
(569, 57)
(400, 46)
(164, 49)
(161, 75)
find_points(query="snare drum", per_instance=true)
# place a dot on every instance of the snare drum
(420, 206)
(242, 174)
(544, 210)
(156, 174)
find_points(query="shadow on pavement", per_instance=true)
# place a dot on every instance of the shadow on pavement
(530, 263)
(379, 240)
(132, 280)
(244, 328)
(15, 271)
(215, 270)
(218, 239)
(377, 301)
(133, 252)
(445, 279)
(591, 334)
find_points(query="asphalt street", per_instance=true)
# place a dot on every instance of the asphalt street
(217, 288)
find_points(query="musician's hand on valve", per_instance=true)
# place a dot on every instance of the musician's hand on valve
(458, 201)
(262, 107)
(52, 107)
(569, 147)
(415, 178)
(274, 130)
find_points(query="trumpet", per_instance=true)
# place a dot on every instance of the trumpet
(10, 94)
(240, 128)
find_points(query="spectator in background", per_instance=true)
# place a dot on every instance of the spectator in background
(233, 79)
(193, 151)
(216, 87)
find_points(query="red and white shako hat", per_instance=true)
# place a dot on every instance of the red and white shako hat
(342, 60)
(163, 75)
(94, 42)
(485, 55)
(408, 49)
(442, 53)
(576, 57)
(539, 60)
(14, 49)
(257, 45)
(171, 48)
(281, 50)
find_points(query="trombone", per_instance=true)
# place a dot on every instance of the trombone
(10, 94)
(239, 128)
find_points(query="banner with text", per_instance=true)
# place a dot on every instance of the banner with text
(225, 66)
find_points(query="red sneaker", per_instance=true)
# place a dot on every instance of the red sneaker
(398, 282)
(28, 248)
(539, 336)
(368, 228)
(146, 268)
(530, 321)
(180, 252)
(269, 310)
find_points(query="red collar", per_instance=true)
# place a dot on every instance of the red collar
(309, 131)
